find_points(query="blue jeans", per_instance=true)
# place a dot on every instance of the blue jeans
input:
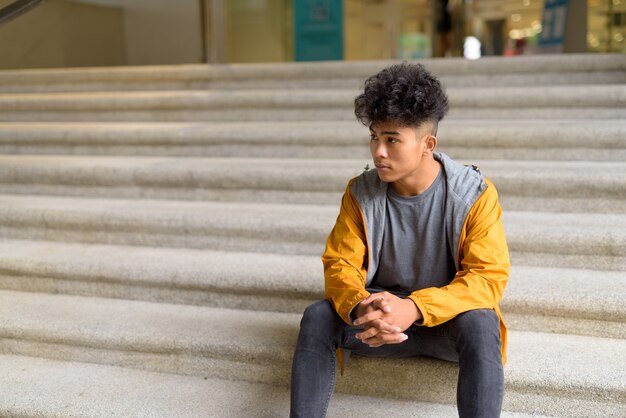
(472, 339)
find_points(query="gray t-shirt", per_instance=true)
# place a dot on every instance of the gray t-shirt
(415, 253)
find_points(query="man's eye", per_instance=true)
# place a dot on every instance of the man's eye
(372, 138)
(392, 140)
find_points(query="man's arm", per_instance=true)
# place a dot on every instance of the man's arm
(344, 261)
(345, 258)
(484, 266)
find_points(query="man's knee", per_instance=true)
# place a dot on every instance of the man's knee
(478, 329)
(319, 314)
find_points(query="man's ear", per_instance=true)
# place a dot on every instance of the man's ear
(430, 143)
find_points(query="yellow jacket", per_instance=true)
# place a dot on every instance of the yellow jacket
(473, 217)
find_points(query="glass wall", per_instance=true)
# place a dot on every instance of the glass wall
(391, 29)
(263, 30)
(512, 28)
(607, 26)
(521, 23)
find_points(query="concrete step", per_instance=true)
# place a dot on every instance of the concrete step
(488, 71)
(560, 140)
(550, 374)
(522, 185)
(564, 139)
(30, 387)
(567, 301)
(575, 240)
(541, 102)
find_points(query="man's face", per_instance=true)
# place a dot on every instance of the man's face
(398, 151)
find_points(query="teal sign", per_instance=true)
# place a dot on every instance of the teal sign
(318, 30)
(553, 23)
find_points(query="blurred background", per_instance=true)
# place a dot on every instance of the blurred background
(69, 33)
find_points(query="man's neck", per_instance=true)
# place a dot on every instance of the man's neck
(420, 181)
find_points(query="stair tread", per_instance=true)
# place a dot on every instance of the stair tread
(523, 185)
(590, 294)
(250, 216)
(275, 212)
(66, 388)
(470, 139)
(570, 96)
(558, 63)
(262, 227)
(476, 133)
(525, 178)
(535, 359)
(200, 164)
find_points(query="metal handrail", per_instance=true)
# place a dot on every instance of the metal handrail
(16, 9)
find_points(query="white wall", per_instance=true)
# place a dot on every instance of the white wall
(162, 32)
(159, 31)
(61, 33)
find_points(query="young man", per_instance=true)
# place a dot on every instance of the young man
(418, 251)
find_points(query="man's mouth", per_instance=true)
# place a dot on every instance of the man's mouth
(381, 166)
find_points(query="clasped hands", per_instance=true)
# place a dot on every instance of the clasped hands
(385, 317)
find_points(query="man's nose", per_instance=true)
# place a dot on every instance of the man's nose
(380, 150)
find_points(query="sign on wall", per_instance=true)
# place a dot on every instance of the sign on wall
(553, 25)
(318, 27)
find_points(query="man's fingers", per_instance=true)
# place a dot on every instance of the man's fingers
(380, 327)
(381, 303)
(374, 320)
(387, 327)
(368, 317)
(367, 334)
(376, 345)
(385, 338)
(376, 327)
(376, 298)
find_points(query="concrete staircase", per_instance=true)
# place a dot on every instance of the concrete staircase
(161, 227)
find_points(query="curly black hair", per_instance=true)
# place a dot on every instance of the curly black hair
(403, 93)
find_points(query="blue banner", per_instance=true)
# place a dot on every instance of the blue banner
(553, 23)
(318, 30)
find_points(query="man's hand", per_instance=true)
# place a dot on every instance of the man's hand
(384, 317)
(375, 304)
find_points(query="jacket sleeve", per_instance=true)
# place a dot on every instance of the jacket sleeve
(484, 266)
(345, 259)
